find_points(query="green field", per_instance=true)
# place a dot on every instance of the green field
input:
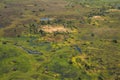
(59, 40)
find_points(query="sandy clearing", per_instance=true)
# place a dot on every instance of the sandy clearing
(51, 29)
(98, 18)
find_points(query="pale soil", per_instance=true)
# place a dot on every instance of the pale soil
(98, 18)
(58, 28)
(113, 10)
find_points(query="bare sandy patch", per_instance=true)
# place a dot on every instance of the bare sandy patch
(58, 28)
(113, 10)
(98, 18)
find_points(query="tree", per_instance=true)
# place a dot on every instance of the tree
(33, 28)
(42, 32)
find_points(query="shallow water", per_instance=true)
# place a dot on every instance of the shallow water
(1, 25)
(44, 19)
(78, 49)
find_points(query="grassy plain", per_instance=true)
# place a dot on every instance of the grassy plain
(59, 40)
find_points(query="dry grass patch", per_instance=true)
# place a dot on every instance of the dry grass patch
(108, 32)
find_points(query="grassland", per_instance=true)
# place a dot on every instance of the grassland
(59, 40)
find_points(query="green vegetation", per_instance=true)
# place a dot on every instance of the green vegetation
(59, 40)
